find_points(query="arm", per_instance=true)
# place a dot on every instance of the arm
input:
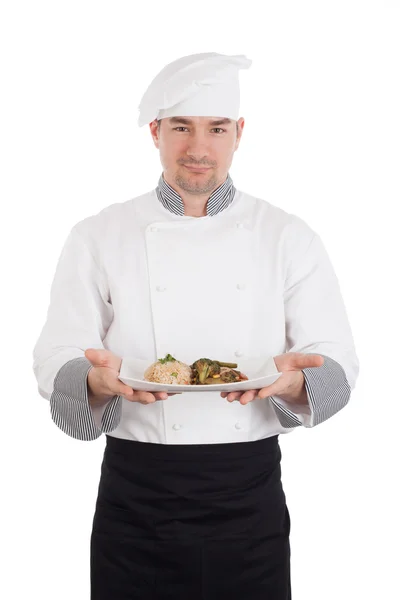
(317, 323)
(78, 317)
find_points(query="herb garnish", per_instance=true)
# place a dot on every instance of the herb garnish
(168, 358)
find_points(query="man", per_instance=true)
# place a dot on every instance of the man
(190, 501)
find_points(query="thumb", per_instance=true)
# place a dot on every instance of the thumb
(304, 361)
(103, 358)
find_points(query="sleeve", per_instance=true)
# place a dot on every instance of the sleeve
(78, 318)
(317, 323)
(70, 408)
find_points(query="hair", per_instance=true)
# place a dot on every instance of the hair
(159, 125)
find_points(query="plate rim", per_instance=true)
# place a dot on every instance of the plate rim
(203, 387)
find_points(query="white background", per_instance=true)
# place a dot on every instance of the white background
(321, 140)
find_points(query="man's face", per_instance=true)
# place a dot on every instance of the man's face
(203, 142)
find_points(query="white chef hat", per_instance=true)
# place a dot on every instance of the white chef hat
(201, 85)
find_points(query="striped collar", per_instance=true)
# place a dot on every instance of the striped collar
(219, 200)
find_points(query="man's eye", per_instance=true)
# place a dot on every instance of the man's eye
(220, 128)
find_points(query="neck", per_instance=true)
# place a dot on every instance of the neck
(195, 205)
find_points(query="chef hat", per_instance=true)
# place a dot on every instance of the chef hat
(201, 85)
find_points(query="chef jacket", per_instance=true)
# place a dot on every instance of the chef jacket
(139, 278)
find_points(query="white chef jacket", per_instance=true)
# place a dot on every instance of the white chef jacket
(142, 280)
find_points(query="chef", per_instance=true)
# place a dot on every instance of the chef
(190, 501)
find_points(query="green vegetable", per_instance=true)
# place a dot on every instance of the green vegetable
(230, 365)
(168, 358)
(204, 368)
(174, 374)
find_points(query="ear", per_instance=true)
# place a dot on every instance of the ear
(239, 133)
(154, 133)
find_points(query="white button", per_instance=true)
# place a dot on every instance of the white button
(238, 426)
(238, 353)
(176, 426)
(153, 228)
(239, 225)
(241, 286)
(161, 288)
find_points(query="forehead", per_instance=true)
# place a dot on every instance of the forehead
(199, 120)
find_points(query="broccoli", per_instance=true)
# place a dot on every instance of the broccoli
(202, 369)
(206, 368)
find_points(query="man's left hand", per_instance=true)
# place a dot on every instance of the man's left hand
(290, 385)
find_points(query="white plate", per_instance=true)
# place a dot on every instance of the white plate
(261, 373)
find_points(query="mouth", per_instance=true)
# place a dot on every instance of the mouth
(197, 169)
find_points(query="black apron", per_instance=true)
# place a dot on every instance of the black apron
(190, 522)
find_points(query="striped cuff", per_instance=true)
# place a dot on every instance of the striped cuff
(328, 391)
(69, 403)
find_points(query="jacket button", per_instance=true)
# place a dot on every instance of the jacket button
(241, 286)
(176, 426)
(161, 288)
(238, 426)
(153, 228)
(239, 225)
(238, 353)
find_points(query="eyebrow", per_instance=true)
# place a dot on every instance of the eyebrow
(189, 121)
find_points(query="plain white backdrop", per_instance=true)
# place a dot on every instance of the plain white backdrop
(321, 140)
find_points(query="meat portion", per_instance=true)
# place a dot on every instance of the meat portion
(226, 375)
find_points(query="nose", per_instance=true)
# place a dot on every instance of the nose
(197, 148)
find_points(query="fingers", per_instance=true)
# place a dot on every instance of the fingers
(160, 395)
(248, 396)
(271, 390)
(148, 397)
(125, 391)
(234, 396)
(144, 397)
(243, 397)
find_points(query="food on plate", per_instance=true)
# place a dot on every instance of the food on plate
(169, 370)
(203, 371)
(207, 371)
(226, 375)
(204, 368)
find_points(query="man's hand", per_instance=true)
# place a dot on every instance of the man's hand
(103, 382)
(290, 385)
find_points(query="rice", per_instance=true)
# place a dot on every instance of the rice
(163, 373)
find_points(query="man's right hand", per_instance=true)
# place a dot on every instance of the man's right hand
(103, 382)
